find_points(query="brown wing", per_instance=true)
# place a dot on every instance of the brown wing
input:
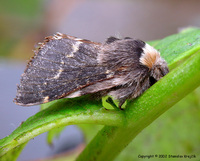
(63, 64)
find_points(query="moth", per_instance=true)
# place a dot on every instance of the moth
(66, 67)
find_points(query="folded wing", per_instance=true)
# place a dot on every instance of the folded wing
(62, 65)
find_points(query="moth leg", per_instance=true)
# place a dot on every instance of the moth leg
(121, 102)
(122, 94)
(111, 102)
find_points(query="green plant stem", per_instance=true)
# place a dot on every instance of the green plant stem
(49, 119)
(110, 141)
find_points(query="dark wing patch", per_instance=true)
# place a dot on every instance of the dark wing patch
(111, 39)
(62, 65)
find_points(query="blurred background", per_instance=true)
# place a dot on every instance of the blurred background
(24, 23)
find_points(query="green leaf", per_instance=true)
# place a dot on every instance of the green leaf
(54, 133)
(177, 48)
(13, 154)
(61, 113)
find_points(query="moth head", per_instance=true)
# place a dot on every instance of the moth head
(157, 66)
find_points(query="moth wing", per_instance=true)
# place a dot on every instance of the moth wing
(62, 65)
